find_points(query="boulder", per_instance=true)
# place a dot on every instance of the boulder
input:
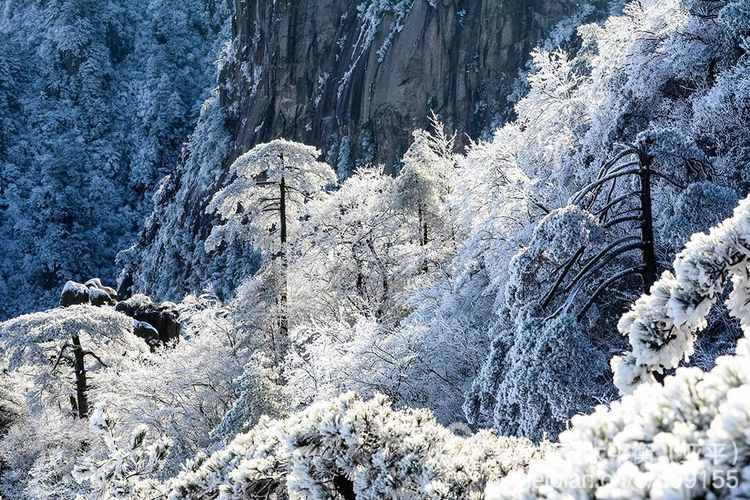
(74, 294)
(96, 284)
(92, 292)
(100, 297)
(164, 317)
(147, 332)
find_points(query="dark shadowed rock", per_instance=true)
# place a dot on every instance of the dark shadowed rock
(356, 77)
(100, 297)
(164, 318)
(74, 294)
(147, 332)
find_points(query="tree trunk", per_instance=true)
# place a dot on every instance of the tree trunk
(283, 292)
(647, 223)
(81, 384)
(422, 226)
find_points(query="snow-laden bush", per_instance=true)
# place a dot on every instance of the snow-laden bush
(126, 464)
(662, 325)
(687, 438)
(354, 448)
(200, 392)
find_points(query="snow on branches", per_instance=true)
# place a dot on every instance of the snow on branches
(686, 439)
(356, 449)
(662, 325)
(34, 339)
(273, 180)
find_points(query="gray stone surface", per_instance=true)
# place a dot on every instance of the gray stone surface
(461, 66)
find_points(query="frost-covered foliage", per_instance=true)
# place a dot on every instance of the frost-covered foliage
(539, 375)
(662, 326)
(658, 74)
(377, 304)
(120, 472)
(355, 258)
(195, 393)
(423, 185)
(686, 439)
(42, 377)
(543, 368)
(359, 449)
(182, 196)
(444, 281)
(95, 103)
(190, 395)
(349, 251)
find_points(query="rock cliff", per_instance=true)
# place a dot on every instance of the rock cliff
(355, 77)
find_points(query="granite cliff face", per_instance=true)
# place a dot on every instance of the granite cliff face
(355, 77)
(351, 77)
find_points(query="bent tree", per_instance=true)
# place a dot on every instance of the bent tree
(264, 204)
(634, 207)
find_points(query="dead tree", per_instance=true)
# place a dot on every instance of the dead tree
(597, 198)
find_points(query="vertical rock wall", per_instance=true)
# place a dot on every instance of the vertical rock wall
(354, 77)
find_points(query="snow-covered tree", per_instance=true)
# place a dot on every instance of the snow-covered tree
(265, 203)
(47, 384)
(212, 384)
(424, 182)
(350, 248)
(53, 347)
(543, 367)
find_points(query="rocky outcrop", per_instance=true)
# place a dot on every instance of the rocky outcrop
(157, 324)
(74, 294)
(92, 292)
(355, 77)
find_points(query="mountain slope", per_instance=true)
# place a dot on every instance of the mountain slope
(95, 103)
